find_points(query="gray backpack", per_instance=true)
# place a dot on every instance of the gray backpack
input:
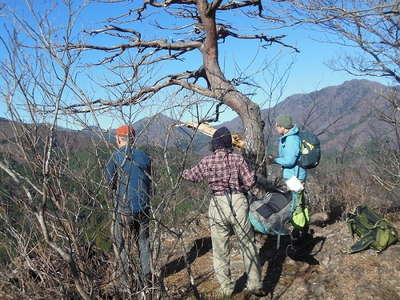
(271, 214)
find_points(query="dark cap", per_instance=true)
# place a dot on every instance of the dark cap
(222, 139)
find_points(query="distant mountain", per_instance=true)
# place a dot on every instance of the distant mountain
(92, 129)
(35, 136)
(154, 130)
(98, 133)
(342, 115)
(339, 114)
(160, 129)
(157, 130)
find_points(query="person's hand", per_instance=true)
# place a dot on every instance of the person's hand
(271, 159)
(280, 184)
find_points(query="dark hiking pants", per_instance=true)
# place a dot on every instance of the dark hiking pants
(130, 242)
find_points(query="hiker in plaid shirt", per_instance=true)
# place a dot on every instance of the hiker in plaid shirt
(229, 177)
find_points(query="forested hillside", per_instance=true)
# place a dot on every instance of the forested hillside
(82, 204)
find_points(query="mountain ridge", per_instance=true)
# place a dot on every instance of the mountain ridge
(338, 114)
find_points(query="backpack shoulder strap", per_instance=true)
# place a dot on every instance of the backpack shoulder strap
(364, 242)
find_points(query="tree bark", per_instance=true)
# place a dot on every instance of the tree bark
(248, 111)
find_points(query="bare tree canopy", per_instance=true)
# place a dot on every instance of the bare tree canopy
(153, 46)
(371, 27)
(165, 33)
(175, 29)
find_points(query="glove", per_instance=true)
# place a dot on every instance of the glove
(271, 159)
(280, 185)
(263, 182)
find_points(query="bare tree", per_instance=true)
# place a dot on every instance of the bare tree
(201, 28)
(59, 196)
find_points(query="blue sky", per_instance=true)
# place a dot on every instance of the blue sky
(307, 72)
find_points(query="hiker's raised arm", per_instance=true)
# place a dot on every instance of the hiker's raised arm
(195, 174)
(265, 183)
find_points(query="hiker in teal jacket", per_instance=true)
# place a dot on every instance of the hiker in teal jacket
(289, 153)
(289, 149)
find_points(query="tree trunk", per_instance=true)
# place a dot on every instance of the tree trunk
(248, 111)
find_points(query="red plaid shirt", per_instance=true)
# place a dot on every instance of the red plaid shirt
(224, 171)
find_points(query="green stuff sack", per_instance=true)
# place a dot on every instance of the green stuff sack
(371, 229)
(300, 217)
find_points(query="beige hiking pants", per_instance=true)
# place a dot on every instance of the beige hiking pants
(228, 215)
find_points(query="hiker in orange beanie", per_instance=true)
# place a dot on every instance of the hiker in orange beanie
(129, 173)
(125, 130)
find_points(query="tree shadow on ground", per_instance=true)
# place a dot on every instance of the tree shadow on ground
(301, 250)
(200, 247)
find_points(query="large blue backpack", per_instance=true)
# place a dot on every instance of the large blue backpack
(310, 152)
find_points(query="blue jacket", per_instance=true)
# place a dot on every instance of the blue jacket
(289, 152)
(130, 168)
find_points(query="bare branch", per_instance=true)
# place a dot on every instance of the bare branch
(367, 25)
(142, 95)
(157, 44)
(216, 118)
(223, 33)
(239, 4)
(115, 28)
(17, 177)
(213, 6)
(161, 4)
